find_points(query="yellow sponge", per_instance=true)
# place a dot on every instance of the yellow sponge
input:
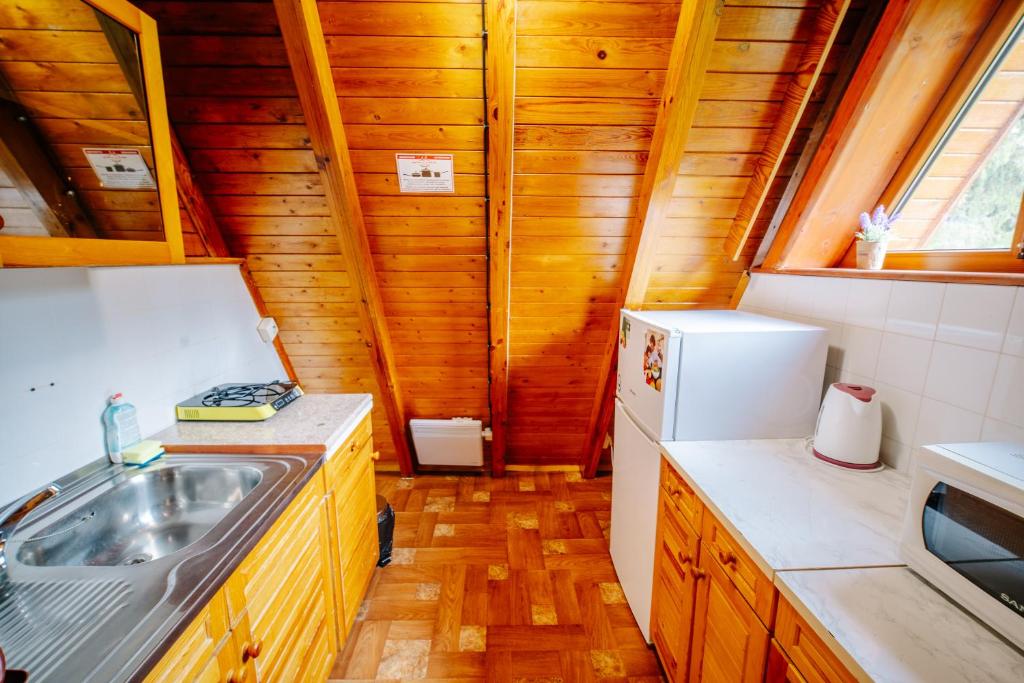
(142, 452)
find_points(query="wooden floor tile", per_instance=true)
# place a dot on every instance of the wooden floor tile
(505, 580)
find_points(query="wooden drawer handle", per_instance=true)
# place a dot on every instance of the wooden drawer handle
(352, 448)
(727, 558)
(683, 559)
(375, 455)
(252, 650)
(698, 574)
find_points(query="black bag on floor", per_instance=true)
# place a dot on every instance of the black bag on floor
(385, 530)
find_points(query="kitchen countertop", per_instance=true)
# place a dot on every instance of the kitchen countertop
(827, 516)
(314, 424)
(888, 625)
(829, 539)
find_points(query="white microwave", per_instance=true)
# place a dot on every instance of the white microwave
(964, 529)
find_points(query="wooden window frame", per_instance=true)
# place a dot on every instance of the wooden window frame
(958, 97)
(16, 250)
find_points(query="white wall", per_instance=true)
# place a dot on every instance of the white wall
(70, 337)
(946, 359)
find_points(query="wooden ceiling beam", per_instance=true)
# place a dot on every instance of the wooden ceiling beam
(307, 53)
(691, 52)
(798, 94)
(500, 72)
(193, 201)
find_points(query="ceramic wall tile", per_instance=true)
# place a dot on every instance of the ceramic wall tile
(914, 308)
(961, 376)
(867, 303)
(1007, 401)
(860, 350)
(944, 423)
(1014, 343)
(976, 315)
(903, 361)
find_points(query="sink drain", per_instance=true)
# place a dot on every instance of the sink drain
(138, 559)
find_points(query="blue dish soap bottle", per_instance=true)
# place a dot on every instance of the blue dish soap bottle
(121, 427)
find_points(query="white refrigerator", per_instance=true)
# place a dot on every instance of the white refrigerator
(696, 376)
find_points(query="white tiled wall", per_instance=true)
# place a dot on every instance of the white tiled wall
(946, 359)
(70, 337)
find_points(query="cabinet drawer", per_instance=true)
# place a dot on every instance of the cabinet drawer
(193, 657)
(682, 496)
(807, 651)
(753, 585)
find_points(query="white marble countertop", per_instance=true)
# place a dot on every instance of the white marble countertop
(790, 510)
(315, 423)
(888, 625)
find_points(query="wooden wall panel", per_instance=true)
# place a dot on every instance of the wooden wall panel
(756, 51)
(234, 105)
(588, 79)
(410, 79)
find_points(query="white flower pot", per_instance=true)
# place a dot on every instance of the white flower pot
(871, 255)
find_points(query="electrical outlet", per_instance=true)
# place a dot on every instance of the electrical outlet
(267, 329)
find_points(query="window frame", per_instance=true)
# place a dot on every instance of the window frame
(997, 39)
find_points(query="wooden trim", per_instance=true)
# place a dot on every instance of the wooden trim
(213, 261)
(193, 201)
(311, 69)
(76, 251)
(691, 52)
(243, 449)
(160, 135)
(500, 74)
(121, 10)
(798, 94)
(261, 308)
(974, 278)
(741, 287)
(1017, 244)
(851, 60)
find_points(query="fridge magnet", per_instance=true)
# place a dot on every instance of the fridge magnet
(654, 358)
(624, 332)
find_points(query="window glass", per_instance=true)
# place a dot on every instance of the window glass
(969, 194)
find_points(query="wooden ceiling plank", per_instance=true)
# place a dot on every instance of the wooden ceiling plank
(307, 53)
(798, 94)
(691, 53)
(500, 73)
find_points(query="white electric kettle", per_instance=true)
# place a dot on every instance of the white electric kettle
(849, 430)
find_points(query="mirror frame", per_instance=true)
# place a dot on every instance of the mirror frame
(17, 250)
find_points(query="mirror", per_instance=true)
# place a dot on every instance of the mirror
(83, 135)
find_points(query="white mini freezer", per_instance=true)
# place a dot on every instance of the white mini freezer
(699, 376)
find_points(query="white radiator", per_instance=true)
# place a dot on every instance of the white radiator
(458, 441)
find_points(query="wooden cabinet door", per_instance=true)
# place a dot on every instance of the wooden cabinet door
(282, 590)
(730, 643)
(194, 655)
(780, 669)
(673, 601)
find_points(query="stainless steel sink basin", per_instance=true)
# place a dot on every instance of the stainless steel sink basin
(105, 573)
(145, 517)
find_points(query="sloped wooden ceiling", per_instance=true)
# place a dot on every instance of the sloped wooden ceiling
(588, 80)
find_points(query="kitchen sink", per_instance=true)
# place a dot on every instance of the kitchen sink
(150, 514)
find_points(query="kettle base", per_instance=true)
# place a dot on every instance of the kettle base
(860, 467)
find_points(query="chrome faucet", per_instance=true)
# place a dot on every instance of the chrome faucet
(19, 509)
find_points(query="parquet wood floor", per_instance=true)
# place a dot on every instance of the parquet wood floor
(504, 580)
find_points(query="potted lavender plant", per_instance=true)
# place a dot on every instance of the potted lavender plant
(873, 238)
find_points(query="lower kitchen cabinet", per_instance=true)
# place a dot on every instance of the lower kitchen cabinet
(729, 641)
(282, 613)
(714, 610)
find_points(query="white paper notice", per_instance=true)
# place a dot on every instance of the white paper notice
(425, 172)
(122, 169)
